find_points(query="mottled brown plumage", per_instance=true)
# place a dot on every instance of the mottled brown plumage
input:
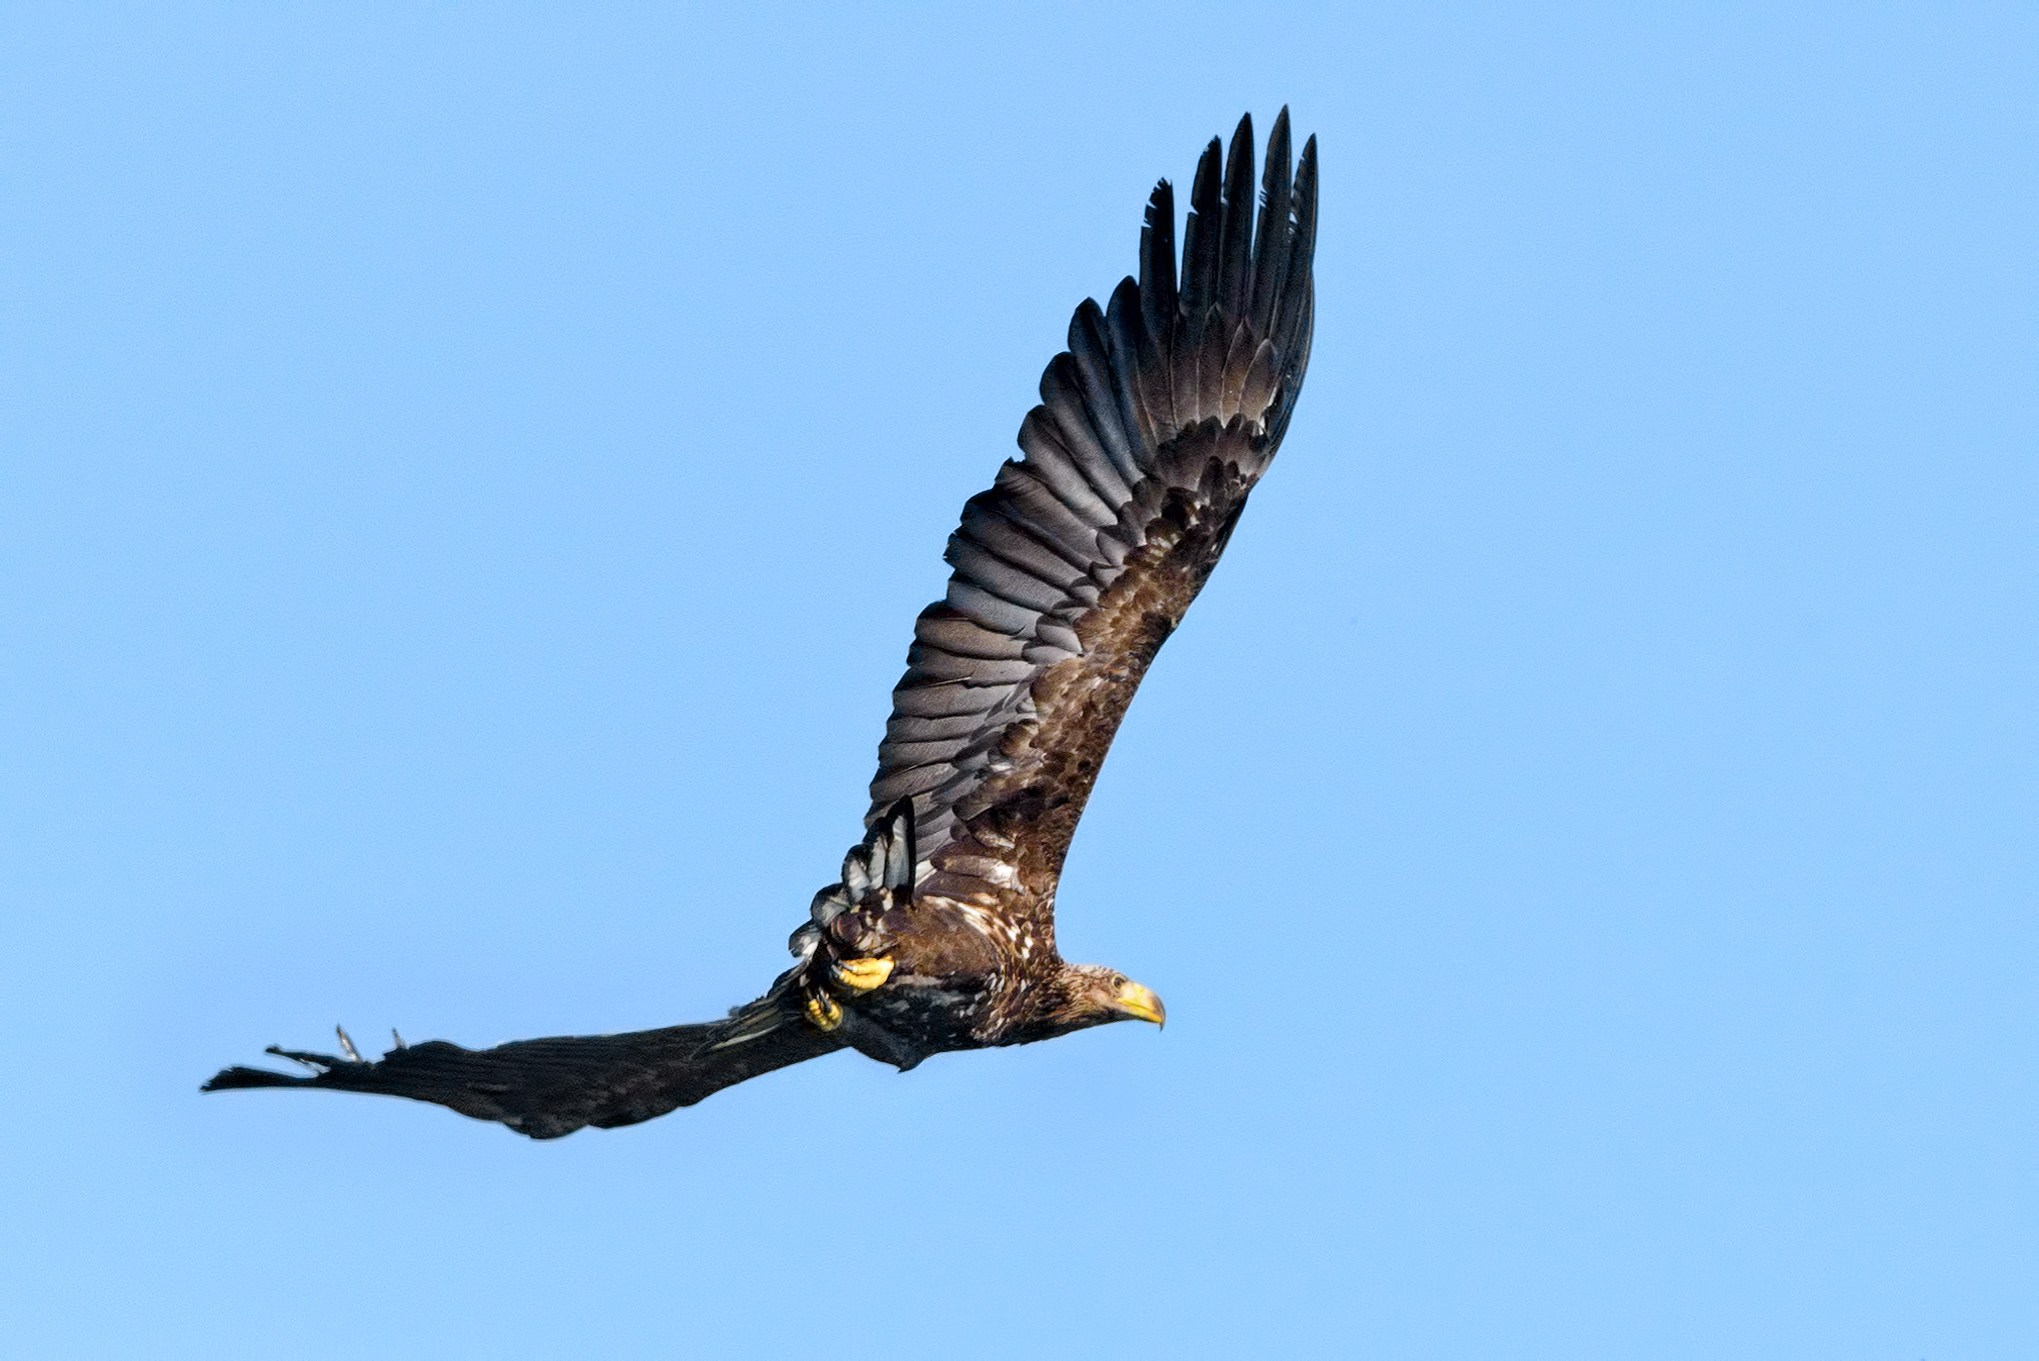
(1070, 573)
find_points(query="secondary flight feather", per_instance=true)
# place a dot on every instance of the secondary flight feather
(1070, 572)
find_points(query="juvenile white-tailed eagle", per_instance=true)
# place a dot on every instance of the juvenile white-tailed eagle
(1070, 572)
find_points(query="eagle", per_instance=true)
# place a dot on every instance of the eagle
(1069, 574)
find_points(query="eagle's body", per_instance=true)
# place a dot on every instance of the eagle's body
(1070, 573)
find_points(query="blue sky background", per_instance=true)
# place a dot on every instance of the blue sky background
(471, 470)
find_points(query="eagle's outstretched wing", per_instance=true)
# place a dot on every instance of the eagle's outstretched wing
(1080, 560)
(550, 1087)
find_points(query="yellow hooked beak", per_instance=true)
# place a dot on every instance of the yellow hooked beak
(1139, 1003)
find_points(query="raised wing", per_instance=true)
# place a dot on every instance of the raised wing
(551, 1087)
(1073, 569)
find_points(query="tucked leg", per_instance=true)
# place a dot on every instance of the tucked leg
(858, 976)
(823, 1012)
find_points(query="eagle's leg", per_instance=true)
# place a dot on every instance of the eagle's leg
(823, 1012)
(858, 976)
(851, 978)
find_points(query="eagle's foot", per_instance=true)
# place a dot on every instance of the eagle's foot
(823, 1012)
(859, 976)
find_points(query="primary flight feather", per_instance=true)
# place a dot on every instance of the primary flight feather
(1070, 573)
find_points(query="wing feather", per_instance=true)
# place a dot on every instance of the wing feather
(915, 728)
(1062, 396)
(1079, 561)
(552, 1087)
(945, 701)
(988, 525)
(1107, 402)
(1270, 265)
(959, 633)
(1049, 459)
(1235, 259)
(1011, 622)
(1200, 246)
(978, 564)
(1132, 354)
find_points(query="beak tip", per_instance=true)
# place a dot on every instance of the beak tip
(1141, 1004)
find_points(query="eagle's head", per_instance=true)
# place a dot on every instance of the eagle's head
(1083, 995)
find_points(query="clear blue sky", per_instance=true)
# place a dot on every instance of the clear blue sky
(470, 473)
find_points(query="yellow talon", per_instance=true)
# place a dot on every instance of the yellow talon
(823, 1011)
(860, 975)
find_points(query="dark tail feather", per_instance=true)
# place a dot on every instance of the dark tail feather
(550, 1087)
